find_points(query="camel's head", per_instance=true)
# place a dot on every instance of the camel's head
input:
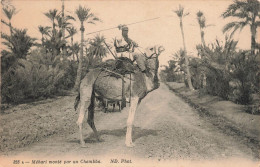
(152, 63)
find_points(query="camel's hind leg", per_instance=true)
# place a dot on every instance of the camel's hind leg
(85, 101)
(91, 117)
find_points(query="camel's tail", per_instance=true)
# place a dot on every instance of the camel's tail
(76, 103)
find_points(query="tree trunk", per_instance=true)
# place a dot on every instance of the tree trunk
(53, 28)
(202, 37)
(11, 29)
(72, 49)
(77, 56)
(42, 39)
(186, 57)
(204, 78)
(63, 30)
(253, 36)
(78, 78)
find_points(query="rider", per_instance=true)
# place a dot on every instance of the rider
(124, 44)
(126, 47)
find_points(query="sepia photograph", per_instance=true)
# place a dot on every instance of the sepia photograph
(110, 83)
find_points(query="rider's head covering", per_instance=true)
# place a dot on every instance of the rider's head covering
(123, 27)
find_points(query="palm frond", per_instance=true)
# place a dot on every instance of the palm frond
(234, 25)
(180, 12)
(242, 9)
(52, 14)
(91, 22)
(84, 14)
(5, 23)
(71, 30)
(68, 17)
(199, 13)
(89, 15)
(230, 10)
(9, 12)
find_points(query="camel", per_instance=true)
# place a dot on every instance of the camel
(100, 83)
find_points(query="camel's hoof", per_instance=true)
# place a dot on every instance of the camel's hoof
(130, 144)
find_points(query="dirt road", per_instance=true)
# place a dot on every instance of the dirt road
(165, 128)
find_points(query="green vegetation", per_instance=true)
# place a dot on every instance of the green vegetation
(221, 69)
(181, 14)
(32, 70)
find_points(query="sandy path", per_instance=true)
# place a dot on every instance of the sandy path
(166, 128)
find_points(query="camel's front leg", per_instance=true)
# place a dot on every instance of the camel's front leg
(82, 112)
(85, 100)
(130, 120)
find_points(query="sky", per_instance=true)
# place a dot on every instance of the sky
(164, 31)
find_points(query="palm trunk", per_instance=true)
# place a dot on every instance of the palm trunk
(77, 56)
(54, 51)
(11, 29)
(204, 78)
(78, 78)
(202, 37)
(53, 29)
(42, 40)
(63, 29)
(253, 36)
(186, 57)
(73, 54)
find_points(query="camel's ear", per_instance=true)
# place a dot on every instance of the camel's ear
(155, 48)
(160, 50)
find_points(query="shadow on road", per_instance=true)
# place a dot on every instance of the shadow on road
(137, 133)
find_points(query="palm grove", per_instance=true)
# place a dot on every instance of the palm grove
(40, 68)
(220, 68)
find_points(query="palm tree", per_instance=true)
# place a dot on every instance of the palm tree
(201, 20)
(75, 50)
(97, 50)
(63, 19)
(247, 13)
(9, 13)
(72, 31)
(56, 43)
(6, 3)
(43, 31)
(63, 23)
(202, 23)
(19, 43)
(84, 15)
(181, 14)
(52, 15)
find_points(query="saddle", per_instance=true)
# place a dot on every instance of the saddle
(118, 68)
(121, 65)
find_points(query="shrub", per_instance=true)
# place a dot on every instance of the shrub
(196, 70)
(230, 74)
(37, 77)
(245, 75)
(215, 60)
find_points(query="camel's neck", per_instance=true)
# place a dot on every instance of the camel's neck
(149, 83)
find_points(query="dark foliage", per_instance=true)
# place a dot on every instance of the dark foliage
(37, 77)
(230, 74)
